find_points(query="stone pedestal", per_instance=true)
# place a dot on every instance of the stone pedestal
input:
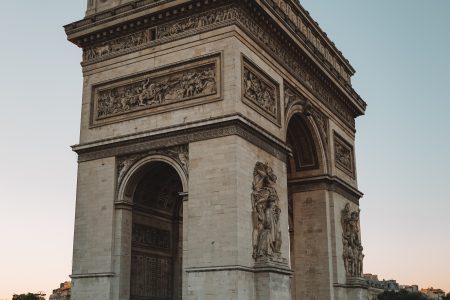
(272, 279)
(357, 288)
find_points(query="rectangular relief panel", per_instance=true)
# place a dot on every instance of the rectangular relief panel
(343, 156)
(260, 92)
(168, 88)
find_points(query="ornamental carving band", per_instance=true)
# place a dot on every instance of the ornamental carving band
(265, 213)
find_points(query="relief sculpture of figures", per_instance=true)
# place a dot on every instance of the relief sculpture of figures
(150, 92)
(117, 45)
(259, 92)
(265, 213)
(353, 250)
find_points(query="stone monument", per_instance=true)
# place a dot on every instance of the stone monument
(216, 154)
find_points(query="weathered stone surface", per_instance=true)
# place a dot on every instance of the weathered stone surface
(200, 119)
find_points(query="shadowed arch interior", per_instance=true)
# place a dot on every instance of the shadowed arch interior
(300, 140)
(159, 189)
(157, 234)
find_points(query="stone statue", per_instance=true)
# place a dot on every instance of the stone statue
(352, 249)
(265, 213)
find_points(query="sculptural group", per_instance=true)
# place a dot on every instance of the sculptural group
(353, 250)
(265, 213)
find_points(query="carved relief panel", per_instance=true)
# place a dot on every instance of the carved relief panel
(170, 87)
(343, 156)
(260, 92)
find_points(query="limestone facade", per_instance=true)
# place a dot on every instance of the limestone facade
(183, 103)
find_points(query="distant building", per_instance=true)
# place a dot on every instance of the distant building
(384, 285)
(410, 288)
(433, 293)
(377, 286)
(63, 293)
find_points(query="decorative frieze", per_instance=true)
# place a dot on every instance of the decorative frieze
(185, 136)
(170, 85)
(159, 34)
(352, 249)
(260, 92)
(194, 23)
(119, 45)
(343, 155)
(306, 31)
(266, 212)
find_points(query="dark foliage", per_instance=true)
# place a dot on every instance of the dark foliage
(28, 296)
(402, 295)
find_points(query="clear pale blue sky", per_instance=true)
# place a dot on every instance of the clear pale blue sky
(400, 50)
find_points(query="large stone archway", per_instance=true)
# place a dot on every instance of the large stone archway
(149, 228)
(156, 249)
(227, 92)
(305, 162)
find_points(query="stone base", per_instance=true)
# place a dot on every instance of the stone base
(357, 282)
(355, 288)
(272, 279)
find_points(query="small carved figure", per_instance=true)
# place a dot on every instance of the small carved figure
(266, 213)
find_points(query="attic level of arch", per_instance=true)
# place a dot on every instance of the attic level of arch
(289, 11)
(148, 27)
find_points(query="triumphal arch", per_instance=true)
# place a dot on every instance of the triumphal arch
(216, 156)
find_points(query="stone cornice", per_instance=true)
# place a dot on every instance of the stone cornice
(269, 269)
(110, 15)
(326, 182)
(296, 16)
(293, 14)
(179, 135)
(92, 275)
(130, 17)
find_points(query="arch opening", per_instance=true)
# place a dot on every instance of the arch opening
(304, 151)
(304, 162)
(156, 243)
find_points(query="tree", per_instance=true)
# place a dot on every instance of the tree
(446, 297)
(29, 296)
(402, 295)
